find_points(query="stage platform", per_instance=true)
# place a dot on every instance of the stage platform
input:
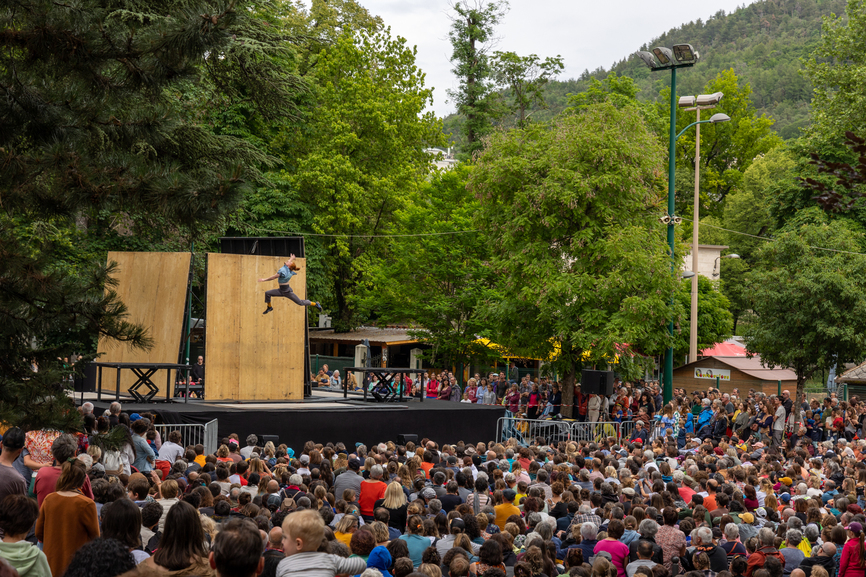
(327, 416)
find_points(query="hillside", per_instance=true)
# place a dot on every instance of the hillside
(763, 43)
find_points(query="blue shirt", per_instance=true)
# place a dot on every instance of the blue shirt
(286, 274)
(142, 452)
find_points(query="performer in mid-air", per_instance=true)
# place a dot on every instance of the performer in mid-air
(285, 274)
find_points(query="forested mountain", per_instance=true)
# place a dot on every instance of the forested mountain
(763, 43)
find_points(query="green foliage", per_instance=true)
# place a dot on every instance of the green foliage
(580, 259)
(524, 77)
(437, 283)
(471, 35)
(763, 42)
(715, 322)
(361, 154)
(809, 304)
(105, 143)
(837, 68)
(48, 310)
(727, 148)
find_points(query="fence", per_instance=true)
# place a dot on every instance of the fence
(334, 364)
(527, 430)
(193, 434)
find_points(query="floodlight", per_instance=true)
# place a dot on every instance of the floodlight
(684, 53)
(647, 58)
(709, 99)
(732, 255)
(687, 274)
(720, 117)
(686, 101)
(664, 55)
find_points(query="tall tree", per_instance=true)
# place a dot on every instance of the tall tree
(836, 68)
(524, 77)
(437, 283)
(472, 34)
(809, 304)
(727, 148)
(580, 258)
(361, 155)
(715, 321)
(111, 133)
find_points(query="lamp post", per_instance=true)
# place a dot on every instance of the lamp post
(689, 103)
(661, 58)
(716, 263)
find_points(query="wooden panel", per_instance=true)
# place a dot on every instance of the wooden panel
(251, 356)
(153, 286)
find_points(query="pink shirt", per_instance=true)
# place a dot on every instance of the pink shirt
(46, 482)
(618, 552)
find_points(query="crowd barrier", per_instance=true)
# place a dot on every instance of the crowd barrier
(190, 434)
(525, 431)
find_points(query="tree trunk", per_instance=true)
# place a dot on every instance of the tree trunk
(568, 383)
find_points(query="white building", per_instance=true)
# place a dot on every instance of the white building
(709, 260)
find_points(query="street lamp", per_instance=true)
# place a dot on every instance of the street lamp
(716, 264)
(661, 58)
(689, 103)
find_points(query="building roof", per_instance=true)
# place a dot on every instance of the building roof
(754, 368)
(725, 349)
(377, 336)
(855, 375)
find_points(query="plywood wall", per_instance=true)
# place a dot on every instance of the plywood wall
(153, 287)
(248, 355)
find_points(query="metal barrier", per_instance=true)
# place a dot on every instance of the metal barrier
(525, 431)
(193, 434)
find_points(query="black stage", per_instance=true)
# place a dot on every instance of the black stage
(326, 418)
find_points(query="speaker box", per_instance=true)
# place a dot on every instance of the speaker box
(596, 382)
(403, 439)
(263, 440)
(87, 383)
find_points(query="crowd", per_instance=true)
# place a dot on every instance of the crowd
(730, 501)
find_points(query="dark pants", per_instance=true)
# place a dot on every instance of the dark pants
(285, 291)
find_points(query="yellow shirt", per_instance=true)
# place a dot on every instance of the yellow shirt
(518, 498)
(199, 459)
(503, 512)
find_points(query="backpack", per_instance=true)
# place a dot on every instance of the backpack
(112, 462)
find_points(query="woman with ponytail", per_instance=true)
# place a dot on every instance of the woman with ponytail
(67, 519)
(853, 561)
(415, 539)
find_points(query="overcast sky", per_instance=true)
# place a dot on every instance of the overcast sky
(587, 34)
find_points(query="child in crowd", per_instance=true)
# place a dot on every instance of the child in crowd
(303, 532)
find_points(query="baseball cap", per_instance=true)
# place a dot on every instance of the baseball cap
(457, 523)
(628, 491)
(748, 517)
(14, 439)
(134, 417)
(509, 494)
(305, 459)
(274, 501)
(855, 527)
(786, 498)
(760, 512)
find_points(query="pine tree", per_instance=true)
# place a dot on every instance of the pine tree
(100, 108)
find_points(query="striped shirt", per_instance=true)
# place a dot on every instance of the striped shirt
(313, 564)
